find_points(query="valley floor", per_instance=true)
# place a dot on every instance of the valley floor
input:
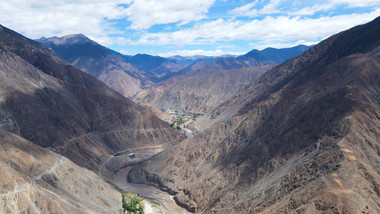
(183, 121)
(149, 193)
(121, 163)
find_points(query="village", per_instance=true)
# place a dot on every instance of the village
(183, 121)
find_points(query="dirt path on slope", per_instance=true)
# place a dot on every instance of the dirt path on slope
(57, 163)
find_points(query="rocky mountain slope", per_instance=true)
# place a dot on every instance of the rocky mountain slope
(108, 66)
(202, 93)
(205, 84)
(55, 105)
(303, 138)
(36, 180)
(125, 74)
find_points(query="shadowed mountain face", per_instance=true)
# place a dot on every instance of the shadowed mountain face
(155, 67)
(53, 104)
(74, 46)
(112, 68)
(302, 138)
(275, 55)
(125, 74)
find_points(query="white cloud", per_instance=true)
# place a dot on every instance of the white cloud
(331, 4)
(246, 10)
(145, 13)
(250, 9)
(36, 18)
(282, 28)
(271, 7)
(280, 44)
(356, 3)
(123, 52)
(206, 32)
(217, 52)
(106, 40)
(313, 9)
(96, 19)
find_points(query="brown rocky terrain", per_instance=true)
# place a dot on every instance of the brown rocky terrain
(302, 138)
(37, 180)
(108, 66)
(53, 104)
(205, 84)
(125, 74)
(201, 93)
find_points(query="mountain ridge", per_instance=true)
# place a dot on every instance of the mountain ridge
(296, 140)
(276, 55)
(176, 92)
(53, 104)
(131, 74)
(107, 65)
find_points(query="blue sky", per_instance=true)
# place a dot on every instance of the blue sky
(188, 27)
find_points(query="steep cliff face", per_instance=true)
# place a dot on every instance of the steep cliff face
(303, 138)
(36, 180)
(55, 105)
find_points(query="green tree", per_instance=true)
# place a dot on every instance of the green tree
(125, 204)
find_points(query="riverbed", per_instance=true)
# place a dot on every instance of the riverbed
(168, 205)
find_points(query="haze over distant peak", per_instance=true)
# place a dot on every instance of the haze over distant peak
(277, 55)
(68, 39)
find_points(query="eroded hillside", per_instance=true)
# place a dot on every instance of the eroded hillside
(303, 138)
(55, 105)
(36, 180)
(204, 92)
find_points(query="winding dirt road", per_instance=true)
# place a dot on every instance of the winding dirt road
(60, 161)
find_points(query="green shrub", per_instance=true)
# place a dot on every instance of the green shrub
(134, 206)
(156, 203)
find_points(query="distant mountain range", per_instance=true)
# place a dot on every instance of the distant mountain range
(131, 74)
(154, 67)
(205, 84)
(275, 55)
